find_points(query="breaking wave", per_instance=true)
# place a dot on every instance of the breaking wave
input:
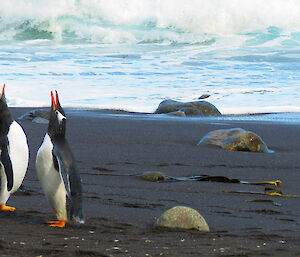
(150, 21)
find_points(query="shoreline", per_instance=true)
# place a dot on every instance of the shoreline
(121, 210)
(276, 117)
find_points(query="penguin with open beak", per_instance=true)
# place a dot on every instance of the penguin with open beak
(57, 171)
(14, 154)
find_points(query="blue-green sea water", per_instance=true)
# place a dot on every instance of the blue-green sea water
(133, 54)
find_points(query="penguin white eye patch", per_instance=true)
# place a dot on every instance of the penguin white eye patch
(60, 117)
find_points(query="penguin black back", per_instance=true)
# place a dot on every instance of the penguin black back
(5, 122)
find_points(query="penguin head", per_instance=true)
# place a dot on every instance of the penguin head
(5, 116)
(57, 122)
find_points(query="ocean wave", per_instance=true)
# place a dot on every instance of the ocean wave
(150, 21)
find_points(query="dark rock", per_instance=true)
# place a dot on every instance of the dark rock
(204, 96)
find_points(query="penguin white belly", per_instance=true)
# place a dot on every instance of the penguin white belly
(19, 155)
(4, 194)
(50, 179)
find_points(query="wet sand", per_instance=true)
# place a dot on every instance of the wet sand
(121, 208)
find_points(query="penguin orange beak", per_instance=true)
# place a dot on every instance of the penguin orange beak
(3, 91)
(54, 100)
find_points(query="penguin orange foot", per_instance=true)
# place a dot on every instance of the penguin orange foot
(4, 207)
(57, 223)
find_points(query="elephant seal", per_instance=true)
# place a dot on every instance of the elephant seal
(235, 139)
(196, 108)
(37, 116)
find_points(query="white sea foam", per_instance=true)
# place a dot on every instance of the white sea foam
(132, 21)
(132, 54)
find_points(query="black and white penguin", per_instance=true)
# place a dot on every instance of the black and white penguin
(14, 154)
(57, 170)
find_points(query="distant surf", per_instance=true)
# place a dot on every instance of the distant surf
(148, 21)
(133, 54)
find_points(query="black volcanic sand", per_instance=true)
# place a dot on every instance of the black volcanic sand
(121, 208)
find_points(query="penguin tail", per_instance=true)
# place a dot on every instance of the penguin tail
(77, 215)
(75, 211)
(78, 219)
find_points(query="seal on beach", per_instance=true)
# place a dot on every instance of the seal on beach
(14, 154)
(195, 108)
(235, 139)
(57, 171)
(36, 116)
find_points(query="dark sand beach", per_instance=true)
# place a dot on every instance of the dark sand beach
(121, 208)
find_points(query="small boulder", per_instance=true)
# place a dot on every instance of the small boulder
(235, 139)
(197, 108)
(182, 217)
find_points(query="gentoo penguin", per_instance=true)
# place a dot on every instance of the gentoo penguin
(14, 154)
(57, 170)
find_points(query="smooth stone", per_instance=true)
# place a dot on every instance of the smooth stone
(235, 139)
(206, 108)
(182, 217)
(36, 113)
(153, 176)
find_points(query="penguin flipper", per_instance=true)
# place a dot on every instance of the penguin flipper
(63, 172)
(6, 162)
(71, 178)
